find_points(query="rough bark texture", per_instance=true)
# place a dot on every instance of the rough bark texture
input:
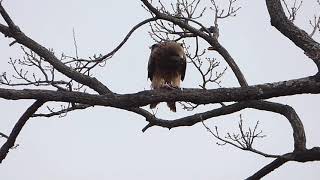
(197, 96)
(298, 36)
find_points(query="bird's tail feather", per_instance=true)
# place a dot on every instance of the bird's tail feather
(172, 106)
(153, 105)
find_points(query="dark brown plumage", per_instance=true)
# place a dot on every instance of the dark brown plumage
(166, 67)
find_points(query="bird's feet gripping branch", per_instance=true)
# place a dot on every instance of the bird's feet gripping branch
(169, 86)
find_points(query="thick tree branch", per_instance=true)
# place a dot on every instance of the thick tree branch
(7, 18)
(197, 96)
(304, 156)
(268, 168)
(285, 110)
(298, 36)
(245, 97)
(294, 120)
(18, 127)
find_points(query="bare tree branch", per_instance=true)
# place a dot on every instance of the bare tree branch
(293, 10)
(75, 43)
(299, 37)
(177, 23)
(48, 56)
(3, 135)
(208, 37)
(7, 18)
(243, 141)
(63, 111)
(315, 25)
(18, 127)
(304, 156)
(268, 168)
(110, 54)
(221, 13)
(199, 96)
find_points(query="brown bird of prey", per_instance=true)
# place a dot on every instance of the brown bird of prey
(166, 67)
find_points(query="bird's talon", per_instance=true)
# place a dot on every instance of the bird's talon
(168, 86)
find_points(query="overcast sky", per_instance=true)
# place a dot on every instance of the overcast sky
(105, 143)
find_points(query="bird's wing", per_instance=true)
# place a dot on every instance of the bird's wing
(183, 68)
(151, 66)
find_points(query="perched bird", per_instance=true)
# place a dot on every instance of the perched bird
(166, 67)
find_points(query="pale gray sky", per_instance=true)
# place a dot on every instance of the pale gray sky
(105, 143)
